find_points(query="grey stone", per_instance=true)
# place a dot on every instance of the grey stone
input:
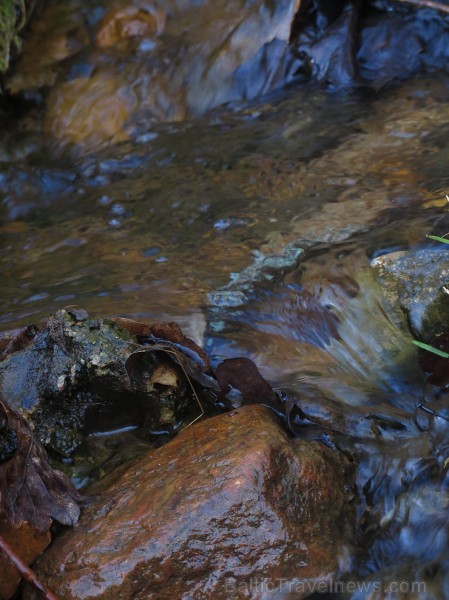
(414, 285)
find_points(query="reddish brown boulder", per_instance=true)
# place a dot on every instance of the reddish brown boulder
(231, 502)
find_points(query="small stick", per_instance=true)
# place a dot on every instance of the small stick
(428, 4)
(432, 412)
(24, 570)
(191, 385)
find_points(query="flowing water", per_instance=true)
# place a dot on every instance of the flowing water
(152, 226)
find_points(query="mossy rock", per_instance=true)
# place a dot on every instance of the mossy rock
(414, 285)
(72, 379)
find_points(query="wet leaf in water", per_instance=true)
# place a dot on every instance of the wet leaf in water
(136, 365)
(31, 490)
(239, 373)
(243, 375)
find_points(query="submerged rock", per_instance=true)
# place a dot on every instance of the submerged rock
(413, 283)
(263, 269)
(105, 71)
(232, 507)
(164, 63)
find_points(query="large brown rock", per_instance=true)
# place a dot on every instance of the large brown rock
(228, 504)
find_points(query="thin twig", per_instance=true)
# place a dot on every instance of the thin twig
(24, 570)
(178, 356)
(432, 412)
(428, 4)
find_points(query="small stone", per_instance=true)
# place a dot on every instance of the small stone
(60, 382)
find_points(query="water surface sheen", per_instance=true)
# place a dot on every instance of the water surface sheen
(148, 227)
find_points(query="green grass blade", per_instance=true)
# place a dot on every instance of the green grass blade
(438, 239)
(431, 349)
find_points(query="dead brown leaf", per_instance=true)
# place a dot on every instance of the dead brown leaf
(31, 491)
(15, 339)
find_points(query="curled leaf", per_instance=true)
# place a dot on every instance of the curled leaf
(166, 333)
(169, 339)
(136, 364)
(172, 333)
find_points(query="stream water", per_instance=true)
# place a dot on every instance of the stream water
(151, 227)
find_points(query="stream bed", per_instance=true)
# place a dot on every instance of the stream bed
(174, 223)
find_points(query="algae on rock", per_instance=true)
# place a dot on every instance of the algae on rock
(72, 379)
(414, 285)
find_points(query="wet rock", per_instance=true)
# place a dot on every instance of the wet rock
(413, 283)
(372, 41)
(331, 56)
(56, 34)
(127, 23)
(231, 502)
(150, 63)
(48, 380)
(393, 45)
(72, 379)
(263, 269)
(110, 103)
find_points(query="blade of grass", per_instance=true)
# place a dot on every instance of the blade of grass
(431, 349)
(437, 238)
